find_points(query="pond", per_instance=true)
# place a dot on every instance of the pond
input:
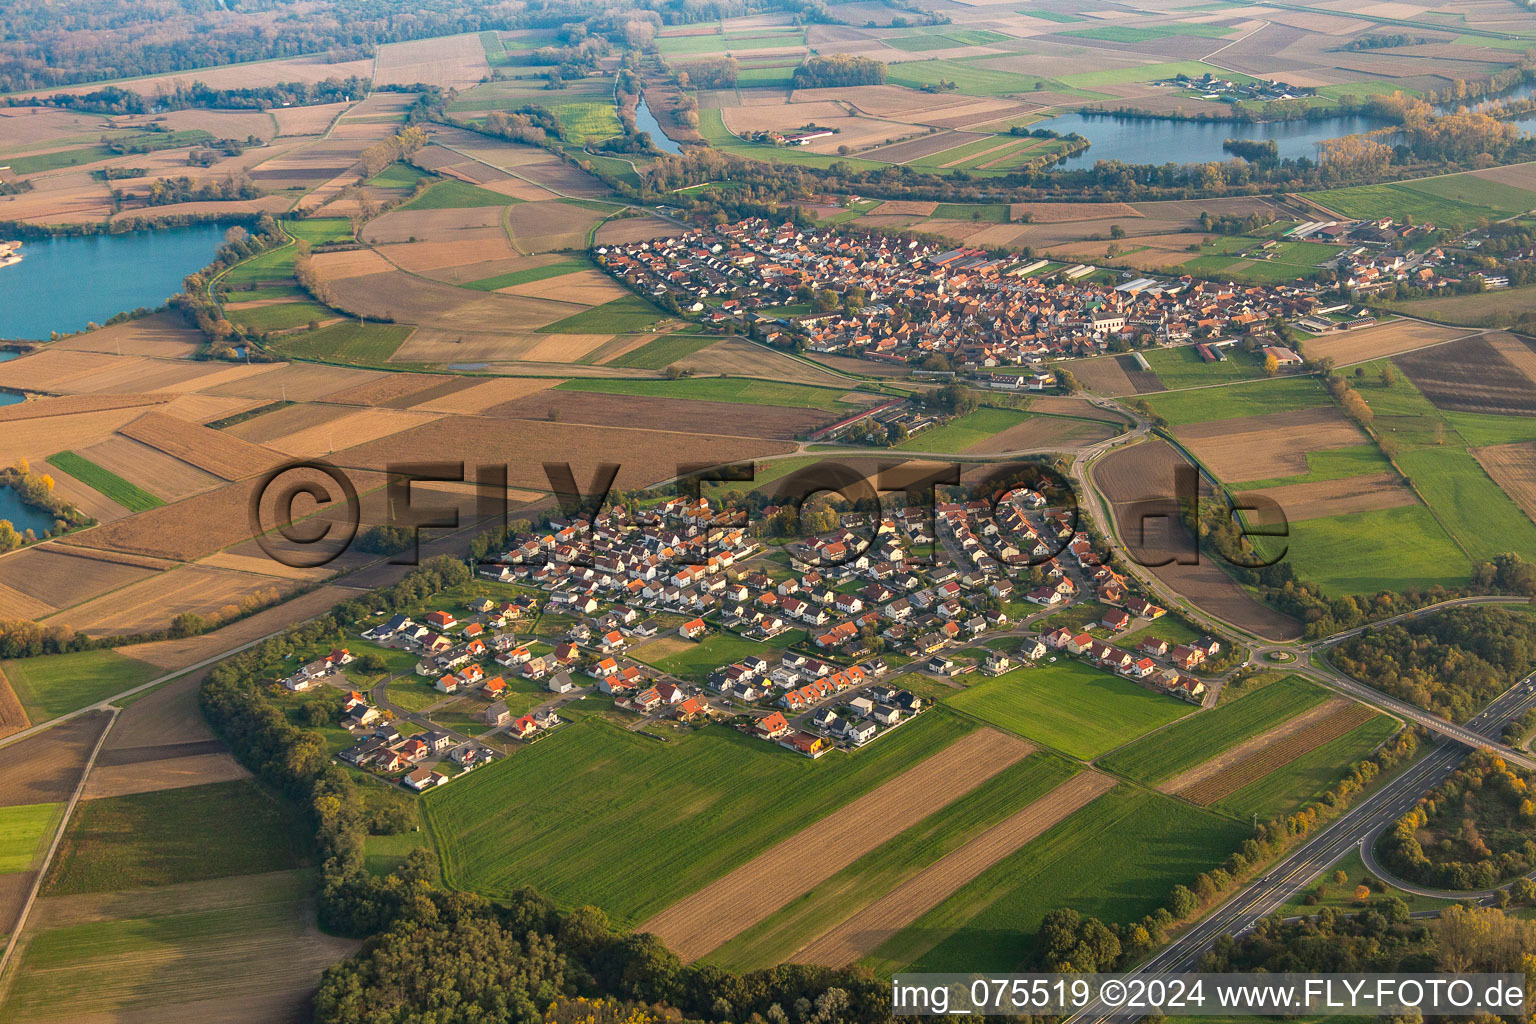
(1136, 140)
(64, 283)
(645, 121)
(23, 517)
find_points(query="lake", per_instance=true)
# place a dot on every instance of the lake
(645, 121)
(62, 284)
(1135, 140)
(23, 517)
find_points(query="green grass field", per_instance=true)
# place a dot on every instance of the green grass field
(1100, 861)
(398, 175)
(664, 351)
(1128, 34)
(1182, 367)
(56, 684)
(623, 315)
(961, 433)
(563, 812)
(882, 869)
(25, 830)
(970, 79)
(453, 194)
(129, 495)
(698, 660)
(1237, 401)
(319, 230)
(280, 316)
(1475, 510)
(384, 854)
(348, 342)
(528, 276)
(1383, 549)
(1071, 706)
(721, 389)
(1478, 429)
(1329, 464)
(1458, 200)
(177, 835)
(1144, 73)
(1483, 309)
(1200, 737)
(1304, 779)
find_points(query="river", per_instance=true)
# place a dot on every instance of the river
(64, 283)
(645, 121)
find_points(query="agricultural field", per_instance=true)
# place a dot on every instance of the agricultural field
(1073, 707)
(965, 431)
(569, 826)
(130, 496)
(1182, 367)
(56, 684)
(1285, 781)
(746, 392)
(1238, 401)
(1200, 737)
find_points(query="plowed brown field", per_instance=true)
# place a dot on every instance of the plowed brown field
(1272, 756)
(218, 453)
(732, 904)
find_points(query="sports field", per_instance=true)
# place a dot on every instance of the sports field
(1200, 737)
(1073, 707)
(561, 814)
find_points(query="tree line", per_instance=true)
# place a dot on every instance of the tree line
(200, 95)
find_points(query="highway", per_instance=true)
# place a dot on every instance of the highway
(1264, 896)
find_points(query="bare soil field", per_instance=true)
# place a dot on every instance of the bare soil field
(455, 62)
(204, 409)
(290, 419)
(164, 773)
(38, 438)
(1338, 497)
(306, 120)
(153, 602)
(167, 716)
(634, 229)
(87, 499)
(738, 900)
(1138, 482)
(475, 398)
(297, 382)
(165, 335)
(1389, 339)
(550, 226)
(905, 208)
(1044, 432)
(1517, 175)
(1471, 375)
(403, 298)
(741, 358)
(1270, 446)
(781, 117)
(336, 266)
(45, 768)
(590, 287)
(1221, 762)
(1061, 405)
(69, 405)
(470, 254)
(144, 375)
(1062, 213)
(235, 76)
(1520, 353)
(160, 474)
(173, 655)
(430, 225)
(1103, 375)
(16, 605)
(358, 427)
(218, 453)
(663, 414)
(260, 563)
(1513, 468)
(861, 934)
(916, 149)
(1277, 754)
(395, 390)
(41, 370)
(563, 348)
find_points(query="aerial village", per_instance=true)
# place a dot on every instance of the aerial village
(916, 299)
(681, 617)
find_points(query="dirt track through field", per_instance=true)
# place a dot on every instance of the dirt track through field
(1274, 754)
(751, 893)
(863, 933)
(1205, 769)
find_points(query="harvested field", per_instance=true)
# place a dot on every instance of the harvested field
(337, 266)
(1062, 213)
(1514, 175)
(1044, 432)
(13, 717)
(358, 427)
(550, 226)
(475, 398)
(1259, 762)
(45, 368)
(477, 439)
(1060, 405)
(1138, 482)
(16, 605)
(1389, 339)
(165, 335)
(38, 438)
(218, 453)
(141, 374)
(1520, 353)
(162, 773)
(395, 391)
(1474, 375)
(861, 934)
(1339, 497)
(1271, 446)
(84, 497)
(45, 768)
(260, 564)
(297, 382)
(311, 120)
(414, 300)
(290, 419)
(234, 76)
(151, 603)
(69, 405)
(1103, 375)
(205, 409)
(905, 208)
(1513, 468)
(590, 287)
(456, 62)
(153, 470)
(752, 892)
(634, 229)
(172, 655)
(431, 225)
(1200, 772)
(458, 261)
(741, 358)
(49, 574)
(662, 414)
(165, 717)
